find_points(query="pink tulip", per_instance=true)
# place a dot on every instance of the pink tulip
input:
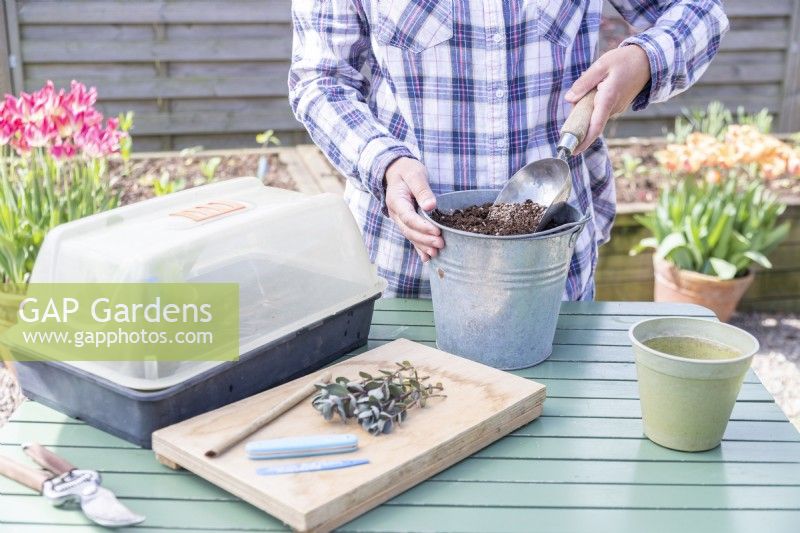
(20, 144)
(79, 99)
(66, 123)
(38, 136)
(63, 150)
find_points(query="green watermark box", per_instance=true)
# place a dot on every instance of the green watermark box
(133, 414)
(126, 322)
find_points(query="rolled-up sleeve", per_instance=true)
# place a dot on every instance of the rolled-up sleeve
(327, 91)
(679, 37)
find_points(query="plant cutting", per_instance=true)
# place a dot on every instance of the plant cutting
(706, 237)
(376, 402)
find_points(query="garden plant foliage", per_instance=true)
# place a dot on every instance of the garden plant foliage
(53, 151)
(717, 229)
(716, 215)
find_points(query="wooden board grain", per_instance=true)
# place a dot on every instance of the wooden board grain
(482, 405)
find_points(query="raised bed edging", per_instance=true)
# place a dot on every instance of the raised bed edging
(622, 277)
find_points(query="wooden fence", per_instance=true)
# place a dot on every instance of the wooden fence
(200, 72)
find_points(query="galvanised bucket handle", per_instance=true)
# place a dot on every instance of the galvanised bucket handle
(579, 225)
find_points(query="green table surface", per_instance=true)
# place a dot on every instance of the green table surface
(582, 466)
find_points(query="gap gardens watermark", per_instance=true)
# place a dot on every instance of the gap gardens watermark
(126, 322)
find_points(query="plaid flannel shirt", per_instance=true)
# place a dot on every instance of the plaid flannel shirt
(474, 90)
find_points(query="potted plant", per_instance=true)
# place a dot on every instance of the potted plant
(706, 236)
(53, 151)
(716, 217)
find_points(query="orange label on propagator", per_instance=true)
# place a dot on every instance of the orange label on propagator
(214, 209)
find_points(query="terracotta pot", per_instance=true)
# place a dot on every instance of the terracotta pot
(675, 285)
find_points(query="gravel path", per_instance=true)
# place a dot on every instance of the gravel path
(778, 361)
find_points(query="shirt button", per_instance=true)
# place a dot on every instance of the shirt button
(499, 93)
(497, 38)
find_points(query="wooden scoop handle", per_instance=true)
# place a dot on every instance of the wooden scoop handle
(577, 122)
(24, 475)
(47, 459)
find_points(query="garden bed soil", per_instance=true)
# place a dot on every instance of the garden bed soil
(639, 184)
(135, 178)
(488, 219)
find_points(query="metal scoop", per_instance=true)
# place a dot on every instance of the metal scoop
(548, 181)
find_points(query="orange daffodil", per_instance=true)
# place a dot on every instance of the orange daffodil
(742, 146)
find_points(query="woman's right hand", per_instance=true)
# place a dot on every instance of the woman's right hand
(406, 182)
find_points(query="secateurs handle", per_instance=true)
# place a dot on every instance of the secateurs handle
(25, 475)
(577, 124)
(47, 459)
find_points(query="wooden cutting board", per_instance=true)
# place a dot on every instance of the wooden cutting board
(482, 405)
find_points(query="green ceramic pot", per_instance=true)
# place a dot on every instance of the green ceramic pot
(686, 403)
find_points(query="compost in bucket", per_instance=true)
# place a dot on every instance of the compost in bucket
(489, 219)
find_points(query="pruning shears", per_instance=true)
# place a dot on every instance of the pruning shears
(64, 485)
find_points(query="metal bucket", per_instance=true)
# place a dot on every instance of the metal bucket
(496, 299)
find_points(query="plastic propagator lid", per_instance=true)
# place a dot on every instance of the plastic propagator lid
(297, 258)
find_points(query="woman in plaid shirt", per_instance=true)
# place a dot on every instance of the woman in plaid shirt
(413, 98)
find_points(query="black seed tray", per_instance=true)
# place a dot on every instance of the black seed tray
(133, 415)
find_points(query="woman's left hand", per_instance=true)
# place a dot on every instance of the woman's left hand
(619, 76)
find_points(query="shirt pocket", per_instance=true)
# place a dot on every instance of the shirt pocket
(414, 25)
(560, 20)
